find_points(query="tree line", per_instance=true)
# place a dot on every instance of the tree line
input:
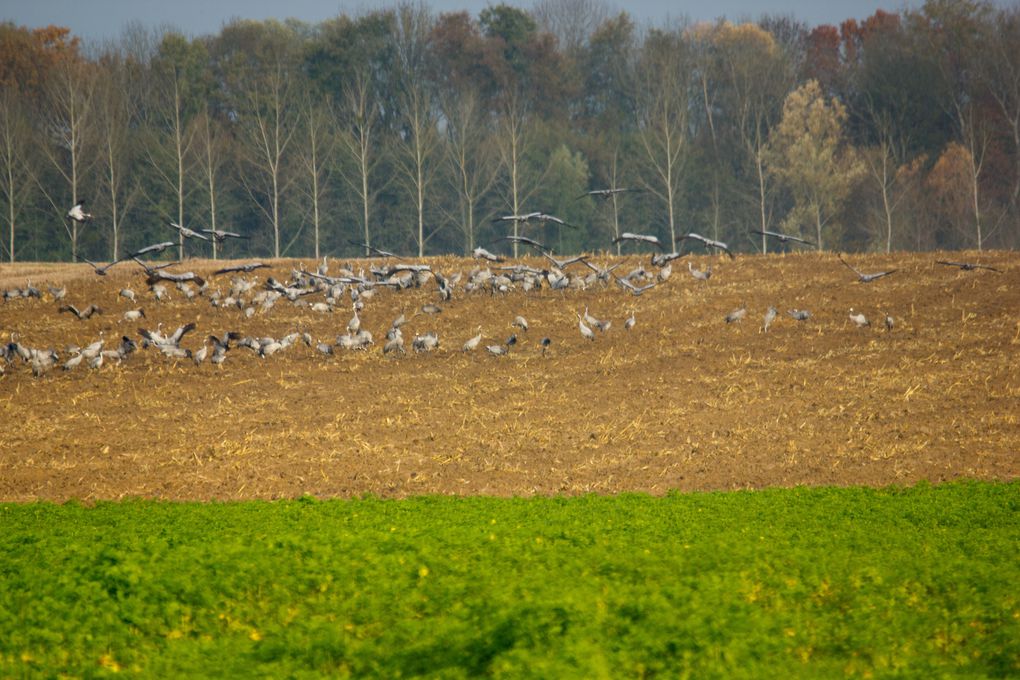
(412, 131)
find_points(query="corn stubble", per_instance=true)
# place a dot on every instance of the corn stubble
(681, 401)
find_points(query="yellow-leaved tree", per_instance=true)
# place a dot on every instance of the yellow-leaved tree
(810, 156)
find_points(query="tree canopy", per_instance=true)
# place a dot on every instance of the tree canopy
(411, 130)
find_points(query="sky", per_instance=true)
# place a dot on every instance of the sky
(99, 20)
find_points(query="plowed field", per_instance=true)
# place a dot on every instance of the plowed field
(682, 401)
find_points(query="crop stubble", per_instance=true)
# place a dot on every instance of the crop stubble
(682, 401)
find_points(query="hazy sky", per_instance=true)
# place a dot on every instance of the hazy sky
(103, 19)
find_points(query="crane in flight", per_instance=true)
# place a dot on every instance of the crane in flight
(861, 276)
(709, 243)
(967, 266)
(535, 216)
(781, 237)
(639, 238)
(608, 193)
(187, 233)
(525, 241)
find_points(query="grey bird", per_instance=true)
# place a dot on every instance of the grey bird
(639, 238)
(967, 266)
(700, 275)
(483, 254)
(245, 268)
(425, 343)
(497, 350)
(81, 314)
(220, 236)
(473, 342)
(187, 233)
(78, 214)
(73, 361)
(394, 341)
(607, 193)
(862, 277)
(586, 333)
(859, 319)
(709, 243)
(524, 240)
(597, 323)
(800, 314)
(354, 325)
(770, 316)
(736, 315)
(635, 290)
(782, 238)
(563, 264)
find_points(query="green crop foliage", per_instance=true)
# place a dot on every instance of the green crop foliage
(810, 583)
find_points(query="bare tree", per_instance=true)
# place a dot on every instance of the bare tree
(69, 105)
(571, 21)
(707, 76)
(357, 139)
(113, 130)
(883, 162)
(416, 162)
(514, 141)
(976, 139)
(15, 160)
(268, 125)
(211, 153)
(663, 107)
(472, 158)
(169, 119)
(614, 177)
(316, 157)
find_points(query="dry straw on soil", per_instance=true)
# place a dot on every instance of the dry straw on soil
(682, 401)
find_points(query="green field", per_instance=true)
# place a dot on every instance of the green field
(918, 582)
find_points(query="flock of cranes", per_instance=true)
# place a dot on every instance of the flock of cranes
(249, 296)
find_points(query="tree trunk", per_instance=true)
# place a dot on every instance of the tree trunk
(114, 221)
(364, 196)
(669, 185)
(818, 227)
(885, 203)
(10, 204)
(760, 167)
(179, 146)
(315, 212)
(10, 217)
(421, 209)
(276, 215)
(616, 212)
(616, 223)
(211, 177)
(513, 189)
(315, 199)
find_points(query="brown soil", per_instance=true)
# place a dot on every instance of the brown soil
(682, 401)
